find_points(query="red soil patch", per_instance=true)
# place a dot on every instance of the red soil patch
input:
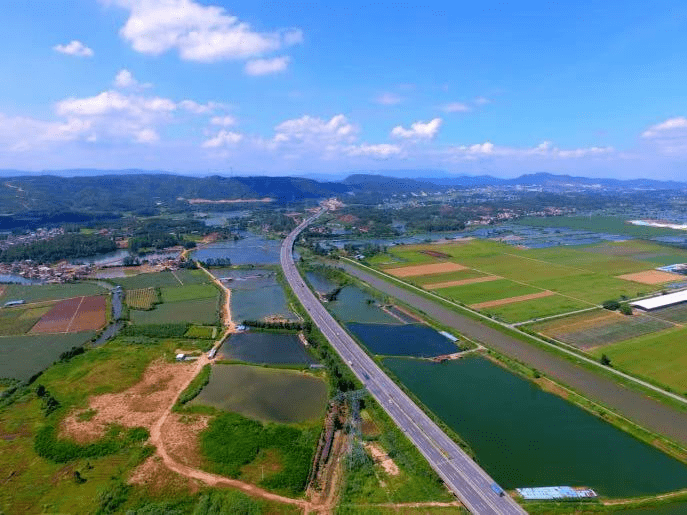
(448, 284)
(348, 219)
(431, 269)
(652, 277)
(511, 300)
(73, 315)
(141, 405)
(435, 254)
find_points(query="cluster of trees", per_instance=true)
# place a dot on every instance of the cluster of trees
(616, 305)
(50, 403)
(261, 324)
(224, 261)
(66, 246)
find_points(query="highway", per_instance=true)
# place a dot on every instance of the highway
(462, 475)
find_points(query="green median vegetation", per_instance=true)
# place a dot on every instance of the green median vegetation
(196, 386)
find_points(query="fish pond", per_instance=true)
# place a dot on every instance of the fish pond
(255, 294)
(251, 249)
(266, 348)
(416, 340)
(524, 436)
(265, 394)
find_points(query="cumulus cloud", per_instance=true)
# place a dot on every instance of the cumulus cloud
(456, 107)
(668, 137)
(418, 130)
(125, 79)
(196, 108)
(543, 150)
(312, 129)
(19, 134)
(258, 67)
(75, 48)
(205, 33)
(223, 138)
(389, 99)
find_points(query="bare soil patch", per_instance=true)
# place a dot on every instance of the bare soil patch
(58, 318)
(380, 456)
(652, 277)
(448, 284)
(511, 300)
(181, 437)
(141, 405)
(430, 269)
(155, 476)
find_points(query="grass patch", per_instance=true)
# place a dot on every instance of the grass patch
(607, 224)
(152, 280)
(195, 386)
(483, 292)
(203, 332)
(232, 441)
(537, 308)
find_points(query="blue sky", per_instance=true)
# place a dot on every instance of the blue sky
(206, 86)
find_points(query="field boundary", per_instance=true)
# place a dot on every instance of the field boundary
(576, 355)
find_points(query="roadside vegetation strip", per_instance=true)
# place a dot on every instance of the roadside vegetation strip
(195, 386)
(505, 330)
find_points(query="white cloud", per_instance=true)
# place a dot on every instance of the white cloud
(310, 129)
(381, 151)
(456, 107)
(109, 102)
(389, 99)
(147, 136)
(480, 101)
(224, 121)
(125, 80)
(194, 107)
(222, 139)
(258, 67)
(205, 33)
(418, 130)
(544, 150)
(75, 48)
(664, 128)
(18, 134)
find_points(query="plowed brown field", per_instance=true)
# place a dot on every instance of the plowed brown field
(73, 315)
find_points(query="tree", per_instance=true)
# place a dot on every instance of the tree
(605, 360)
(611, 305)
(626, 309)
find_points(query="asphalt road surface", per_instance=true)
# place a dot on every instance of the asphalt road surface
(631, 404)
(461, 474)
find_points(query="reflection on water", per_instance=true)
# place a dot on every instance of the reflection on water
(252, 249)
(524, 436)
(270, 348)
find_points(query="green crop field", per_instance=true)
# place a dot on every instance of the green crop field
(450, 276)
(38, 293)
(199, 311)
(202, 332)
(191, 276)
(23, 356)
(411, 257)
(20, 320)
(190, 292)
(677, 314)
(661, 357)
(265, 394)
(140, 281)
(537, 308)
(144, 298)
(484, 292)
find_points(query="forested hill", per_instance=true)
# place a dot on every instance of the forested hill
(141, 192)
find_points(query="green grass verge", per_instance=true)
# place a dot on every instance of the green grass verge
(195, 386)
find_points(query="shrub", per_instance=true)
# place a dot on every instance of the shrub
(611, 305)
(195, 386)
(626, 309)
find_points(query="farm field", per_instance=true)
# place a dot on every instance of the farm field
(661, 357)
(202, 332)
(581, 277)
(20, 320)
(23, 356)
(677, 313)
(198, 311)
(38, 293)
(598, 328)
(74, 315)
(143, 298)
(265, 394)
(150, 280)
(190, 292)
